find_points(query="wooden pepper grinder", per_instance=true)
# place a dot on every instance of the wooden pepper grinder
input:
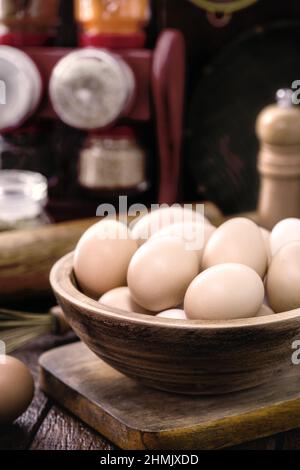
(278, 129)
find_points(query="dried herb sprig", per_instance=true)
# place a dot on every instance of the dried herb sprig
(19, 328)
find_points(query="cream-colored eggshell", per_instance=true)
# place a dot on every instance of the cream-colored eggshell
(285, 232)
(194, 234)
(160, 273)
(283, 281)
(16, 389)
(145, 227)
(237, 241)
(102, 257)
(267, 239)
(209, 230)
(265, 311)
(224, 292)
(121, 299)
(174, 314)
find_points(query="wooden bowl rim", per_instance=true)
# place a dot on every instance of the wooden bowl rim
(63, 269)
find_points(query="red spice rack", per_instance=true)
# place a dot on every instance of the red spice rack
(160, 79)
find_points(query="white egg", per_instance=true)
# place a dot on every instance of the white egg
(175, 314)
(265, 311)
(160, 273)
(16, 389)
(283, 281)
(225, 292)
(267, 239)
(237, 241)
(102, 257)
(149, 224)
(283, 233)
(194, 234)
(121, 299)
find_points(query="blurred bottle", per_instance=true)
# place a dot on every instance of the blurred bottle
(278, 129)
(113, 23)
(28, 22)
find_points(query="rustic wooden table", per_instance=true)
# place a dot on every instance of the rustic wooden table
(45, 426)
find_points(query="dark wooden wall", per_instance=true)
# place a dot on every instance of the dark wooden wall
(220, 157)
(203, 39)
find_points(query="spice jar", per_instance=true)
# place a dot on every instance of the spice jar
(278, 129)
(91, 88)
(22, 85)
(23, 197)
(113, 161)
(112, 23)
(29, 22)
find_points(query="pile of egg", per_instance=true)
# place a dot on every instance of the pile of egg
(240, 270)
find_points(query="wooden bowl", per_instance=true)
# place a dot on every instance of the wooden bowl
(187, 357)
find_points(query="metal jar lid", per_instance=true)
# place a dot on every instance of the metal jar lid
(91, 88)
(21, 87)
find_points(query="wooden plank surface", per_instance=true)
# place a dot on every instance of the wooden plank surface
(46, 426)
(61, 431)
(136, 417)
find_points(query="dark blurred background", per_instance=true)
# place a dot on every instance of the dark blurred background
(235, 64)
(233, 72)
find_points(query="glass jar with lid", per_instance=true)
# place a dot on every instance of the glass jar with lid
(22, 87)
(92, 88)
(113, 161)
(23, 197)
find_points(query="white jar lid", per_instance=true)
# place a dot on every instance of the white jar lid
(91, 88)
(21, 84)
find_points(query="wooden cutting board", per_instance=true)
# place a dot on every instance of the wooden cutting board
(137, 418)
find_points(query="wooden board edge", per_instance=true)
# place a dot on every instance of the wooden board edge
(231, 431)
(112, 429)
(220, 434)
